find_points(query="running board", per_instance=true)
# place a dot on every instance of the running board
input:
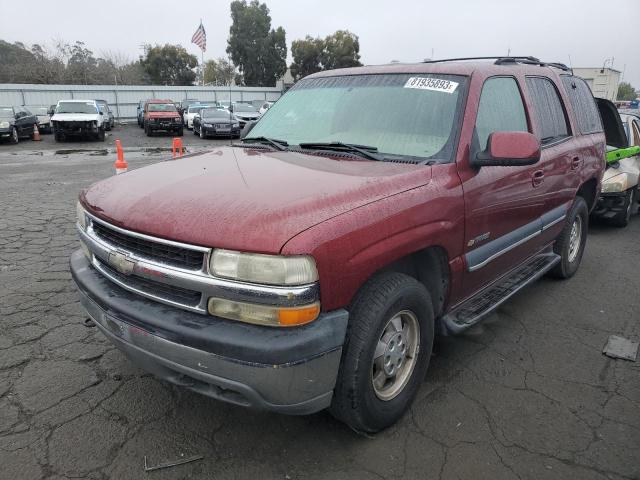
(479, 306)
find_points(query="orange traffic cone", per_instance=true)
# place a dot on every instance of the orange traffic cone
(176, 147)
(121, 165)
(36, 133)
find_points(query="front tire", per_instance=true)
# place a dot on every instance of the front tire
(386, 353)
(571, 242)
(100, 136)
(14, 138)
(202, 134)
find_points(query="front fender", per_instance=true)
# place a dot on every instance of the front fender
(351, 247)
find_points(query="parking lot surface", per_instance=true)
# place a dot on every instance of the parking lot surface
(527, 394)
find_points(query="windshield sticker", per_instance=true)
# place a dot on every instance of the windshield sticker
(435, 84)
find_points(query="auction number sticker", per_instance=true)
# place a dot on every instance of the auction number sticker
(435, 84)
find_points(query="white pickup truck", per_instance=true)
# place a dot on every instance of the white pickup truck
(78, 118)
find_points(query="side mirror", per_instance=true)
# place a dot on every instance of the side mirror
(246, 129)
(505, 149)
(101, 113)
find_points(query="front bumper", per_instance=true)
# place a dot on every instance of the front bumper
(5, 132)
(610, 205)
(165, 126)
(287, 370)
(212, 131)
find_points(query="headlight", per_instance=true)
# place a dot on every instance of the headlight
(208, 125)
(82, 216)
(176, 119)
(263, 314)
(236, 125)
(4, 124)
(264, 269)
(616, 184)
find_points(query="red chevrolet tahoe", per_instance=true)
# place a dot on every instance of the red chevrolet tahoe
(310, 266)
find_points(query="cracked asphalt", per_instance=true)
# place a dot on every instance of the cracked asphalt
(525, 395)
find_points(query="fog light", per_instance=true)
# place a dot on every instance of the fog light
(263, 314)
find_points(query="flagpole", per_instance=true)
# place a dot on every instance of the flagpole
(202, 52)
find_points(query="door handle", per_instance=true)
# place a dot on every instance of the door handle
(575, 163)
(538, 178)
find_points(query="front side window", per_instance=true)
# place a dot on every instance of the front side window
(583, 104)
(500, 109)
(409, 115)
(548, 110)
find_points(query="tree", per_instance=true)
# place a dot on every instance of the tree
(81, 66)
(169, 65)
(307, 56)
(342, 49)
(258, 51)
(626, 91)
(218, 72)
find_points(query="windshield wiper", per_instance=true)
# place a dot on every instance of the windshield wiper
(274, 142)
(363, 150)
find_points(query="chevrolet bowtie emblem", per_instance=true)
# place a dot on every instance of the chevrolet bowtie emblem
(122, 263)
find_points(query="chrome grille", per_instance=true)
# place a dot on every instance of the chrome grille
(166, 254)
(171, 293)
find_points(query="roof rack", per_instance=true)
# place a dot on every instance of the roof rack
(502, 60)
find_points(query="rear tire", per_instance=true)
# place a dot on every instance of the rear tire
(180, 132)
(368, 395)
(572, 240)
(622, 219)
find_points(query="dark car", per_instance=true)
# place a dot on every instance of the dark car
(212, 122)
(140, 112)
(184, 105)
(16, 123)
(110, 120)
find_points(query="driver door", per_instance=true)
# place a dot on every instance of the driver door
(503, 204)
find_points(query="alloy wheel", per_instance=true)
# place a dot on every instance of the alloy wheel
(395, 355)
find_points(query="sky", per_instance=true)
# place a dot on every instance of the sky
(584, 33)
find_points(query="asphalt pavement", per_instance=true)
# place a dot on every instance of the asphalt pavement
(525, 395)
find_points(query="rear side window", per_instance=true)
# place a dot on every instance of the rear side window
(548, 110)
(500, 109)
(583, 104)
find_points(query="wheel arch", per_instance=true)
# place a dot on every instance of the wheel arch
(430, 266)
(588, 191)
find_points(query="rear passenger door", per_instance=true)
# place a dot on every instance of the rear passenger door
(558, 172)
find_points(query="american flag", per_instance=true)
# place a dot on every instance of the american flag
(200, 38)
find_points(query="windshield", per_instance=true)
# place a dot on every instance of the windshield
(6, 112)
(412, 115)
(38, 110)
(243, 107)
(215, 113)
(76, 107)
(162, 107)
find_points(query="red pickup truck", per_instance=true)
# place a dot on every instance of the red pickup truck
(369, 209)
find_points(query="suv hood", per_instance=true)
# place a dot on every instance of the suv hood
(75, 117)
(242, 198)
